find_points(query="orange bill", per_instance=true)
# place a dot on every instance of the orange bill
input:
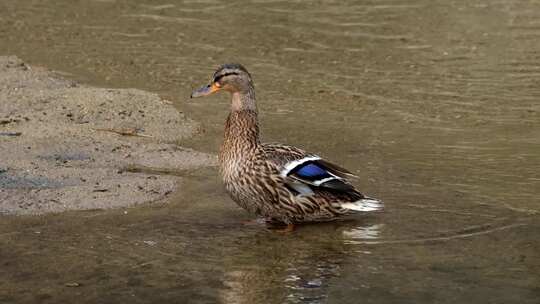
(205, 91)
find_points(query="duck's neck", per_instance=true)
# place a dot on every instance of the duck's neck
(242, 126)
(245, 100)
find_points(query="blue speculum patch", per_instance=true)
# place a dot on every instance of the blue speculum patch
(312, 171)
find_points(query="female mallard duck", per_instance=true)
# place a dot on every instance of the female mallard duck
(278, 182)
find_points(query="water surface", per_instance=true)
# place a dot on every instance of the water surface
(434, 104)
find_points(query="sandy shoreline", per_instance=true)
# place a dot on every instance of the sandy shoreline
(66, 146)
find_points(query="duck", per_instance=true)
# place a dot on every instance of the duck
(276, 182)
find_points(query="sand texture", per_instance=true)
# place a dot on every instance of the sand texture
(66, 146)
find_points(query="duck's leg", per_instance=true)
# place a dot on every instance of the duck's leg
(288, 229)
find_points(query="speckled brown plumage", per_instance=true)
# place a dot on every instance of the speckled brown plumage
(273, 180)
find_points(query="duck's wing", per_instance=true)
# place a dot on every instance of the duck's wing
(308, 174)
(298, 166)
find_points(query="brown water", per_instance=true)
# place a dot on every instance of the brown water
(434, 104)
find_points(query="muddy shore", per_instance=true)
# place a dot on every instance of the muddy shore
(67, 146)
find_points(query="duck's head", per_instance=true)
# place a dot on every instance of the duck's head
(230, 77)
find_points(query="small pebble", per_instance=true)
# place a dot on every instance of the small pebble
(150, 243)
(72, 284)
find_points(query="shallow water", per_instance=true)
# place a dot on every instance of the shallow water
(434, 104)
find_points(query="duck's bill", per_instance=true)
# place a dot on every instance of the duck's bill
(205, 91)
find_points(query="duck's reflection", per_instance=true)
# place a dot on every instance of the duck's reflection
(370, 232)
(297, 268)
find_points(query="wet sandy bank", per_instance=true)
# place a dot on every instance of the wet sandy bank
(66, 146)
